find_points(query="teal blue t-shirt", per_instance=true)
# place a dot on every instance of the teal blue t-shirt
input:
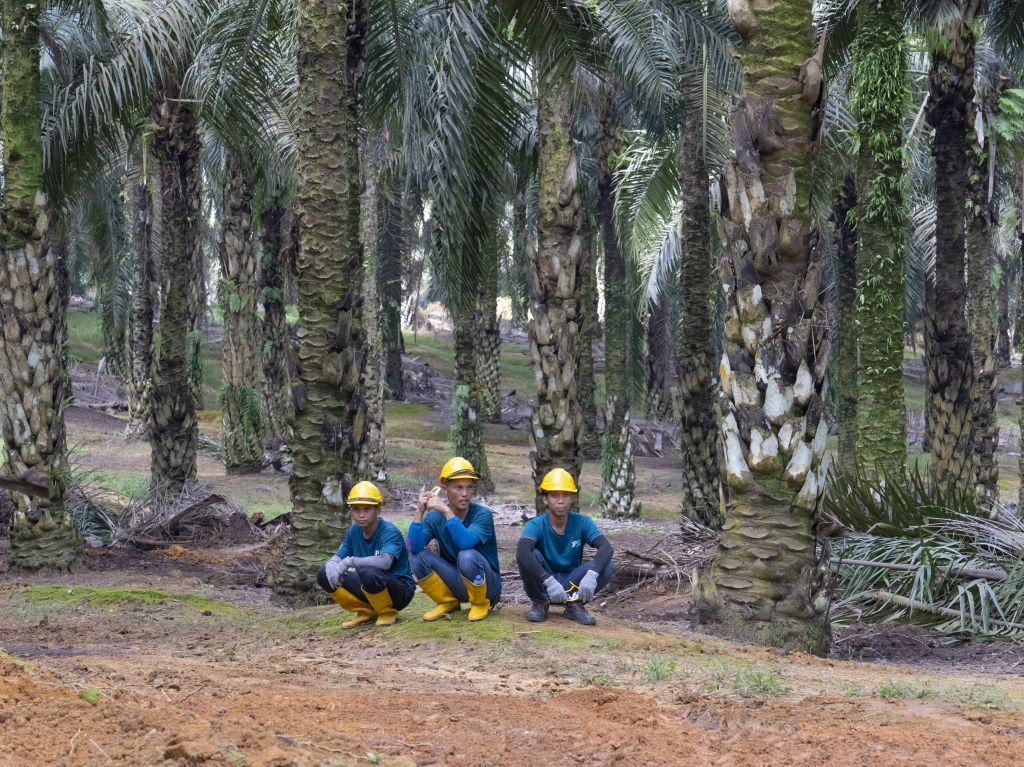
(564, 553)
(476, 531)
(386, 539)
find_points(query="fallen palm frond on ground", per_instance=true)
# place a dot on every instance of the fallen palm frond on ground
(195, 516)
(916, 555)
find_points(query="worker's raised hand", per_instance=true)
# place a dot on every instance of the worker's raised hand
(556, 593)
(588, 586)
(334, 571)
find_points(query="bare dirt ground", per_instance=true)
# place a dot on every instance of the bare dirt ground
(153, 665)
(176, 656)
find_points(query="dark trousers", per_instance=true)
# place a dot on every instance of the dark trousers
(371, 580)
(535, 586)
(472, 564)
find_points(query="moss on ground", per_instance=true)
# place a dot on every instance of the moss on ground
(109, 598)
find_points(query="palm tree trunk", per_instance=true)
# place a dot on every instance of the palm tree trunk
(556, 265)
(699, 430)
(242, 428)
(659, 361)
(467, 434)
(115, 333)
(1020, 323)
(765, 584)
(330, 421)
(1003, 322)
(950, 371)
(591, 445)
(140, 379)
(846, 337)
(879, 100)
(618, 489)
(277, 401)
(173, 432)
(980, 220)
(33, 301)
(373, 203)
(488, 357)
(392, 244)
(519, 280)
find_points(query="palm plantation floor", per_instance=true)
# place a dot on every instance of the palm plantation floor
(147, 665)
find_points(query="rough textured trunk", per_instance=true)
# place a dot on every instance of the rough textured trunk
(277, 401)
(879, 101)
(374, 449)
(115, 336)
(950, 372)
(618, 488)
(765, 584)
(488, 350)
(658, 367)
(1020, 323)
(846, 335)
(33, 300)
(392, 245)
(241, 396)
(467, 434)
(139, 382)
(173, 432)
(556, 265)
(519, 280)
(591, 445)
(1003, 321)
(196, 308)
(980, 221)
(330, 420)
(698, 428)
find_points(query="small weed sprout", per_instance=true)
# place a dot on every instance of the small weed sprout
(758, 681)
(659, 669)
(895, 689)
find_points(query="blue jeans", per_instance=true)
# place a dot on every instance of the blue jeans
(471, 564)
(535, 588)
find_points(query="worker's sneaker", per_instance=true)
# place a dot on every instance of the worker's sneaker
(575, 611)
(538, 612)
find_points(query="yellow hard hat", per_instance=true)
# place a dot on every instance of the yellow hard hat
(558, 481)
(457, 468)
(365, 494)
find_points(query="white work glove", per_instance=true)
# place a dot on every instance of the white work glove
(556, 594)
(588, 586)
(334, 569)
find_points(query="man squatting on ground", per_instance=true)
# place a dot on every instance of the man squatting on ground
(467, 568)
(369, 575)
(550, 554)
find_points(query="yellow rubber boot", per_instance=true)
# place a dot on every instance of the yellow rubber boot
(349, 601)
(436, 589)
(479, 604)
(383, 606)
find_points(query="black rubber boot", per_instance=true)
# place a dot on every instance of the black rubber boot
(538, 612)
(575, 611)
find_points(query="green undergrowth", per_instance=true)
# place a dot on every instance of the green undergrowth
(129, 484)
(103, 598)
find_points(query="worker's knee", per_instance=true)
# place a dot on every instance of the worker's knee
(421, 564)
(373, 579)
(322, 581)
(472, 563)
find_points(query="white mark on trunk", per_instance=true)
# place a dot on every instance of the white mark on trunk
(745, 391)
(778, 400)
(764, 449)
(804, 386)
(807, 498)
(737, 473)
(799, 464)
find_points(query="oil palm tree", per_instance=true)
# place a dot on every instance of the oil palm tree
(33, 385)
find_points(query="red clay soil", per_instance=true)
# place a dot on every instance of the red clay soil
(222, 716)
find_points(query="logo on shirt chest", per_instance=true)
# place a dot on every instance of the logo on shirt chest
(574, 545)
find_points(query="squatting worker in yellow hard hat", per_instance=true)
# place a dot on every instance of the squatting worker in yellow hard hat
(550, 554)
(466, 570)
(369, 575)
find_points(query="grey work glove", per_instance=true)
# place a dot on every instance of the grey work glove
(588, 586)
(556, 594)
(334, 569)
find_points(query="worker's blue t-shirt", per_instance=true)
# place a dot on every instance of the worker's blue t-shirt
(564, 553)
(386, 539)
(476, 531)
